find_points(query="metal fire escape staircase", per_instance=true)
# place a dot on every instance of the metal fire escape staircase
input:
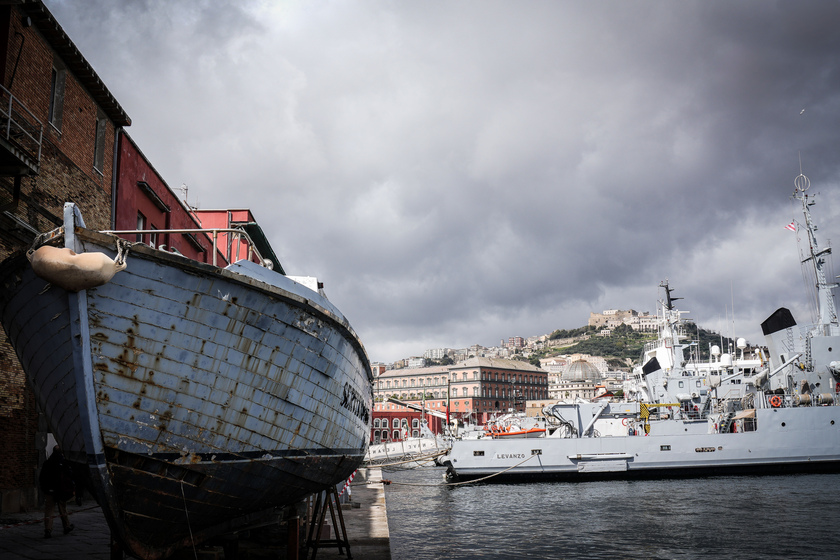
(21, 136)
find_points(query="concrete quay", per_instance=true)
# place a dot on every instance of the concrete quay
(365, 518)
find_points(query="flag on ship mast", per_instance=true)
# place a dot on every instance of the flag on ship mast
(791, 226)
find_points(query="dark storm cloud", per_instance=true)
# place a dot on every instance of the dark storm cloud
(461, 172)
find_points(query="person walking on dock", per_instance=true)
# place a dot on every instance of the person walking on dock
(57, 484)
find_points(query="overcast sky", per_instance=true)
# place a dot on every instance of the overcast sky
(462, 172)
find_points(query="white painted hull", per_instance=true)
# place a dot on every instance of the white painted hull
(785, 440)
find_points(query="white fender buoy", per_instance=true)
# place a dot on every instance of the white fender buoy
(73, 271)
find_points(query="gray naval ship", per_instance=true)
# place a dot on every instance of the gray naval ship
(776, 412)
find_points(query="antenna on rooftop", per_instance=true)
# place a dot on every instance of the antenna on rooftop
(184, 190)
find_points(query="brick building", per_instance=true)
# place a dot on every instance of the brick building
(57, 144)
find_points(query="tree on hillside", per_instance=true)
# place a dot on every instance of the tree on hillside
(563, 333)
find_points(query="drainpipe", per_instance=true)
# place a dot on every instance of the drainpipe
(114, 175)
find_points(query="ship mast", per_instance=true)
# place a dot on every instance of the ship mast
(670, 330)
(825, 297)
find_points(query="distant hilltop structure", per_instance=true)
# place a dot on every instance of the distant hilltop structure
(612, 318)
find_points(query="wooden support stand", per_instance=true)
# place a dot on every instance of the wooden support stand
(327, 500)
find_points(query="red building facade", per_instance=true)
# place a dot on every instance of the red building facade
(145, 202)
(397, 425)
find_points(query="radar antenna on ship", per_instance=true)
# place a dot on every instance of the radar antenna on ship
(669, 305)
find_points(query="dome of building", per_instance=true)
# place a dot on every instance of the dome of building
(580, 370)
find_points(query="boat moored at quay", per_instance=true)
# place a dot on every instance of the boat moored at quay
(778, 412)
(199, 399)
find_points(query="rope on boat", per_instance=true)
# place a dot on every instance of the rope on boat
(122, 251)
(42, 238)
(189, 526)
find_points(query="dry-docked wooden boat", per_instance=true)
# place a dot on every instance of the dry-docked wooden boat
(197, 396)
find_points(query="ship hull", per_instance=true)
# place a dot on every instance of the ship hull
(785, 440)
(196, 396)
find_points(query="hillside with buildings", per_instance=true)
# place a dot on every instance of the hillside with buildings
(611, 341)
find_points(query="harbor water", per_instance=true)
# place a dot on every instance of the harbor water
(794, 516)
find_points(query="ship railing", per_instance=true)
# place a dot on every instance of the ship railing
(653, 345)
(236, 235)
(797, 400)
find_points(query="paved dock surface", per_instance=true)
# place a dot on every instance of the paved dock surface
(22, 535)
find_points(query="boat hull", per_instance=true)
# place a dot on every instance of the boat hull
(785, 440)
(195, 395)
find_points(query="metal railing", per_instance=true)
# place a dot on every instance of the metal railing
(26, 134)
(236, 235)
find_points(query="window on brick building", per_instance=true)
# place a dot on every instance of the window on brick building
(57, 80)
(141, 225)
(153, 238)
(99, 142)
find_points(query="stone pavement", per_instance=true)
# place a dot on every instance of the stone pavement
(22, 535)
(367, 525)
